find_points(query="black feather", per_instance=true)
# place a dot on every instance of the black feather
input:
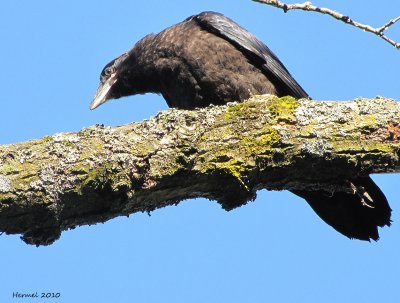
(253, 48)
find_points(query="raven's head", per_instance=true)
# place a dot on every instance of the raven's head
(112, 81)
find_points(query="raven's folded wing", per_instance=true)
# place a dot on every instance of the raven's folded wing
(253, 48)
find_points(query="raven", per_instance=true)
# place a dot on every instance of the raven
(209, 59)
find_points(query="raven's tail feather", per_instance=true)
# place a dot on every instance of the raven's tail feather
(355, 215)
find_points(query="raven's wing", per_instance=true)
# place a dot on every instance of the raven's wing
(253, 48)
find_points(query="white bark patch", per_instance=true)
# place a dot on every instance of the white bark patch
(316, 147)
(59, 137)
(5, 184)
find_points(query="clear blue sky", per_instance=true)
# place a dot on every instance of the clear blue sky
(274, 249)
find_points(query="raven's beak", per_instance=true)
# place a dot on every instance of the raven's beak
(103, 92)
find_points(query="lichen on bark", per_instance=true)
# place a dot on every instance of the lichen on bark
(224, 153)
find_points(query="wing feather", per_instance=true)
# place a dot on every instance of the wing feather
(253, 48)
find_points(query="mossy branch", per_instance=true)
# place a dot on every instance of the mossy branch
(224, 153)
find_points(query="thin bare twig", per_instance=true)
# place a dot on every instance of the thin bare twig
(308, 6)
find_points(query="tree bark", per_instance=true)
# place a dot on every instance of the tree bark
(223, 153)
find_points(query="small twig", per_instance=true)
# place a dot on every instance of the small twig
(386, 26)
(307, 6)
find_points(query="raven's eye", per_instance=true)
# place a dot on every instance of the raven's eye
(109, 70)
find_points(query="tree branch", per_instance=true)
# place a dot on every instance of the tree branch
(307, 6)
(224, 153)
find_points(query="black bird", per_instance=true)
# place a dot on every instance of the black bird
(210, 59)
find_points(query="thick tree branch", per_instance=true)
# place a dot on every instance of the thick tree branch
(224, 153)
(308, 6)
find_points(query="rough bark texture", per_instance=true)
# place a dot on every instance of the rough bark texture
(223, 153)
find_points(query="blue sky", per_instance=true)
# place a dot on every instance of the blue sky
(274, 249)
